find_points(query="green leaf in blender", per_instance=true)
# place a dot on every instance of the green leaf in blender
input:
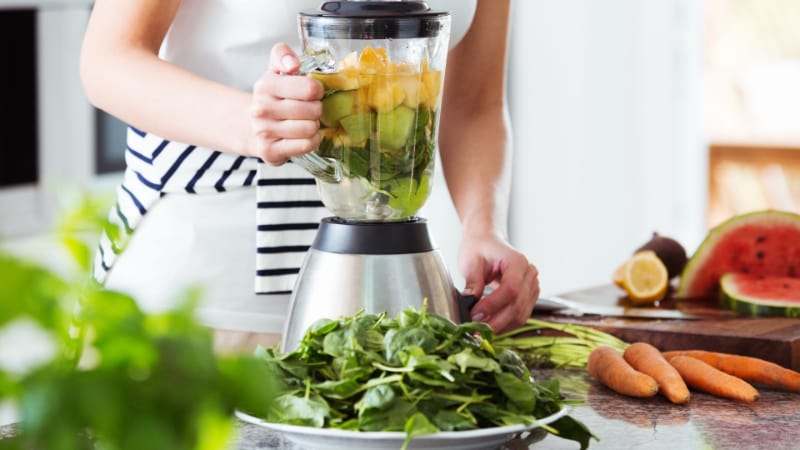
(355, 160)
(335, 106)
(422, 128)
(394, 127)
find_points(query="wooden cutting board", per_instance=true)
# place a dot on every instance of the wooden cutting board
(773, 339)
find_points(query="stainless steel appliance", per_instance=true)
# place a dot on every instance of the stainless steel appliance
(382, 65)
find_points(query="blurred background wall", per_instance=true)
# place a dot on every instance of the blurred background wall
(603, 99)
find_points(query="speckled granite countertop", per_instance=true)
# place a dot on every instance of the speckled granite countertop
(707, 422)
(773, 422)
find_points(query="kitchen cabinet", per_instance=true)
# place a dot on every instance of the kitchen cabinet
(750, 174)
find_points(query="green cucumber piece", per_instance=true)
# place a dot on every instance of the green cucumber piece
(394, 127)
(335, 106)
(358, 126)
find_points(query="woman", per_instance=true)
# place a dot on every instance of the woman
(212, 114)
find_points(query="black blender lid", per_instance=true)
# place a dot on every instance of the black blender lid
(389, 19)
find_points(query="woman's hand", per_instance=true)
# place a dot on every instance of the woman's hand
(285, 110)
(488, 260)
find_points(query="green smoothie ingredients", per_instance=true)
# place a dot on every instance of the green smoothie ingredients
(379, 121)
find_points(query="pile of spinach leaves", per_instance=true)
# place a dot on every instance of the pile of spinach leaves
(417, 372)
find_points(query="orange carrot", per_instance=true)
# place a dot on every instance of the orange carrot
(647, 359)
(705, 377)
(754, 370)
(607, 366)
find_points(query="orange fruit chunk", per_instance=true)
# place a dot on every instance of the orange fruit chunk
(644, 277)
(385, 96)
(373, 60)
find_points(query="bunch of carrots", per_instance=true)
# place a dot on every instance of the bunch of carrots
(641, 370)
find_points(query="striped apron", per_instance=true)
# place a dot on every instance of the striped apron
(287, 215)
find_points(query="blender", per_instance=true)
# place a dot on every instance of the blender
(382, 66)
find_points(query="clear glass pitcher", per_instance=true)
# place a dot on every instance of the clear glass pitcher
(382, 65)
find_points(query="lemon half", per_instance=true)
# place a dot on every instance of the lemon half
(643, 276)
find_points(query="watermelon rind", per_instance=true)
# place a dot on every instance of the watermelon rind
(700, 277)
(732, 298)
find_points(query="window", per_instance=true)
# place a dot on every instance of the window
(752, 106)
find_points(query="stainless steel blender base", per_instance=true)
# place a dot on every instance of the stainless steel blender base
(333, 284)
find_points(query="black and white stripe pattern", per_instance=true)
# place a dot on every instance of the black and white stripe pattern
(287, 216)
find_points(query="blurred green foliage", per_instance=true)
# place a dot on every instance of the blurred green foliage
(118, 379)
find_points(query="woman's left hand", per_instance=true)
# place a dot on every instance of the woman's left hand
(489, 261)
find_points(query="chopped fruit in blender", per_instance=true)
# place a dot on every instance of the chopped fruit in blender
(394, 127)
(411, 195)
(385, 95)
(340, 81)
(414, 88)
(373, 60)
(379, 122)
(358, 126)
(336, 106)
(433, 84)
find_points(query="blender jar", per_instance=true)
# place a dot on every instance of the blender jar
(382, 66)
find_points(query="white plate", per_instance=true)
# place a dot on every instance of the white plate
(334, 439)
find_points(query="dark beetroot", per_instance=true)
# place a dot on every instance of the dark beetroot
(669, 251)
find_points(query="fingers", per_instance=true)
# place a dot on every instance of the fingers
(285, 129)
(475, 284)
(275, 83)
(510, 304)
(272, 87)
(282, 59)
(278, 151)
(285, 110)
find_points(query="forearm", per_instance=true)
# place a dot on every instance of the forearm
(123, 75)
(476, 156)
(161, 98)
(475, 141)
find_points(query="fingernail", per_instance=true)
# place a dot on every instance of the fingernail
(477, 317)
(289, 62)
(467, 291)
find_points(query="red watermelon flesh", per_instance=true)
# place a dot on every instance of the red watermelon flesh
(777, 289)
(761, 296)
(762, 243)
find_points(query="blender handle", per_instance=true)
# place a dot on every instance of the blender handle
(465, 304)
(323, 169)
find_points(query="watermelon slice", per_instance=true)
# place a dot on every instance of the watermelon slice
(762, 243)
(761, 296)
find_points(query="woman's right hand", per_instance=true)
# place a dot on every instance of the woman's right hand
(285, 110)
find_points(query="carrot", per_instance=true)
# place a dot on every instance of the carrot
(704, 377)
(607, 366)
(647, 359)
(754, 370)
